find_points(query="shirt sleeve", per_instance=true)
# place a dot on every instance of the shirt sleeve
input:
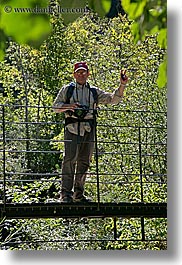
(108, 98)
(61, 98)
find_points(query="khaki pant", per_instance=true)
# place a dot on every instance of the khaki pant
(76, 162)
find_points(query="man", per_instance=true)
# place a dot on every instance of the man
(79, 105)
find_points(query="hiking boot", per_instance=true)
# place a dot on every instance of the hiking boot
(82, 199)
(67, 199)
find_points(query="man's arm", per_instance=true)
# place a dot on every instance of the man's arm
(64, 107)
(116, 96)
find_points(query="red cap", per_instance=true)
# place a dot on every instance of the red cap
(80, 65)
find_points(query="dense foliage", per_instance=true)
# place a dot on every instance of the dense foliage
(34, 25)
(150, 17)
(30, 80)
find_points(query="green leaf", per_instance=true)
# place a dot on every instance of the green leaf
(106, 5)
(25, 27)
(134, 10)
(135, 31)
(162, 77)
(162, 38)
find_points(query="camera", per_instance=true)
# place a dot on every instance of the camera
(81, 112)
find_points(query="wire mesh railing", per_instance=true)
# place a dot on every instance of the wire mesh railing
(130, 160)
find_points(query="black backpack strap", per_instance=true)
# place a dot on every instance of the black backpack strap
(70, 92)
(94, 93)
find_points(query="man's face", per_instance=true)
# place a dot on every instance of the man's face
(81, 76)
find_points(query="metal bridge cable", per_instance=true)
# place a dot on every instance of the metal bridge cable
(25, 83)
(4, 159)
(100, 109)
(96, 158)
